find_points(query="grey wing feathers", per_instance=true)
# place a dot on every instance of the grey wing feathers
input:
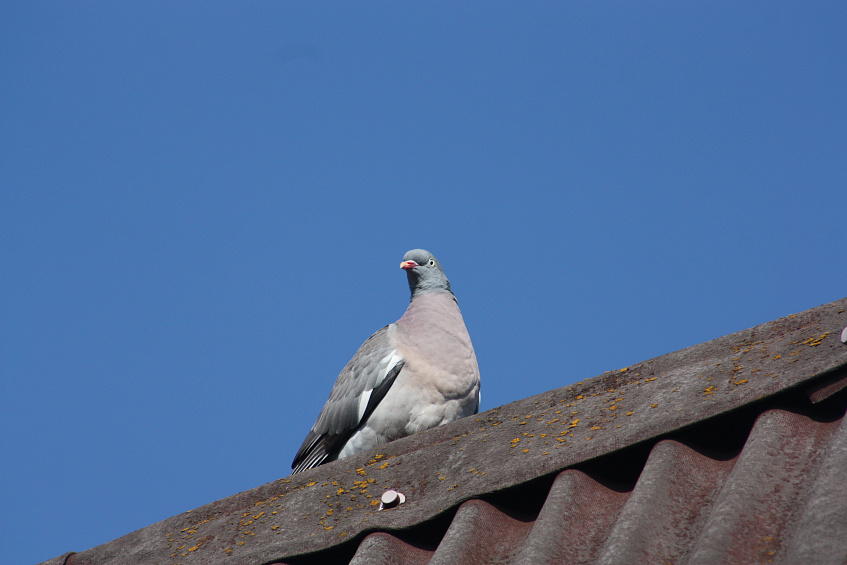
(360, 386)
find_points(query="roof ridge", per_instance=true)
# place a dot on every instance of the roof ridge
(527, 440)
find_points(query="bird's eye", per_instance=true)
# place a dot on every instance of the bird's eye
(431, 262)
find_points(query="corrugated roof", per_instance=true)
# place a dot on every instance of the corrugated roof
(731, 451)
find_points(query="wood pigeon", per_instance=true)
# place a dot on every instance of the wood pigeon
(412, 375)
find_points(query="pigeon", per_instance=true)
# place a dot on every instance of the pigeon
(417, 373)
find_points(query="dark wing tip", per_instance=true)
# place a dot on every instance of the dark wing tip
(312, 453)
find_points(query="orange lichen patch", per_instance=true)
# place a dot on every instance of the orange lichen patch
(376, 458)
(574, 423)
(741, 382)
(653, 405)
(775, 357)
(813, 341)
(710, 390)
(525, 451)
(629, 414)
(650, 379)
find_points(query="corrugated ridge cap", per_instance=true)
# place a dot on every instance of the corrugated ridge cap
(502, 447)
(778, 497)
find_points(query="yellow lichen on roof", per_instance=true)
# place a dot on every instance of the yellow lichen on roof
(813, 341)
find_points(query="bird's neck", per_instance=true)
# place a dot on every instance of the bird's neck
(431, 307)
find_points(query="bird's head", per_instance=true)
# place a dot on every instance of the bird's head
(424, 272)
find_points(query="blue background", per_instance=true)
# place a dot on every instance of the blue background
(204, 206)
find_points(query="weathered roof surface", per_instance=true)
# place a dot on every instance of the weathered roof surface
(731, 451)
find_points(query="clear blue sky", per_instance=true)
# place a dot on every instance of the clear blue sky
(204, 206)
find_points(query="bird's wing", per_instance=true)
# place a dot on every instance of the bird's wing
(361, 385)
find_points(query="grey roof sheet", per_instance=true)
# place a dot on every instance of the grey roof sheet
(734, 450)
